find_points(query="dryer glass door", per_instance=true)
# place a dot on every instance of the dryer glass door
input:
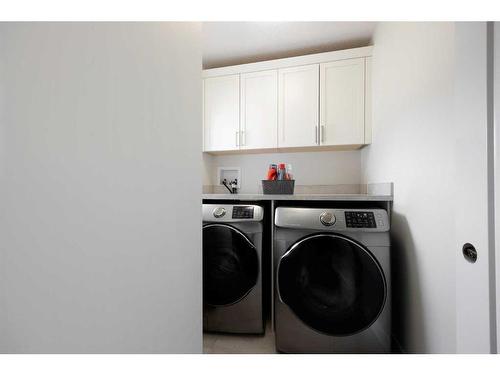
(230, 265)
(332, 283)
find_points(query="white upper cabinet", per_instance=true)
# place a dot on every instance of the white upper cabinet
(259, 110)
(298, 101)
(342, 102)
(221, 113)
(318, 101)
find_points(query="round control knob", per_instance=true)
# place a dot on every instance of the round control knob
(327, 218)
(219, 212)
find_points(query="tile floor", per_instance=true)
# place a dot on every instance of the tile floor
(214, 343)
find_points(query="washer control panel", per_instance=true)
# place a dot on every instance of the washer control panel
(243, 212)
(360, 219)
(231, 213)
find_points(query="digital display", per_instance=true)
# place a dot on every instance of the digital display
(359, 219)
(243, 212)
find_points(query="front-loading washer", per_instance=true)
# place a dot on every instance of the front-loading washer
(232, 264)
(332, 280)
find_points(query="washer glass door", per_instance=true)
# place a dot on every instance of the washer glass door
(332, 283)
(230, 265)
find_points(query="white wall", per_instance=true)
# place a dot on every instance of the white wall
(497, 171)
(99, 188)
(208, 179)
(309, 168)
(222, 41)
(413, 147)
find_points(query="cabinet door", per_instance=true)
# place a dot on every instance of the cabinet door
(298, 106)
(221, 113)
(259, 110)
(368, 100)
(342, 102)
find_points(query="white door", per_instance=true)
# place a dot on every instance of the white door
(475, 302)
(298, 106)
(259, 110)
(342, 102)
(221, 113)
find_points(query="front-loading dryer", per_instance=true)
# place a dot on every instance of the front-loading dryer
(232, 263)
(332, 280)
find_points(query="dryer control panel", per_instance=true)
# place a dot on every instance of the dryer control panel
(334, 219)
(360, 219)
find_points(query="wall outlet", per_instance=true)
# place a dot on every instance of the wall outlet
(229, 174)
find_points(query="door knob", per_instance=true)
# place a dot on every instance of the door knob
(469, 252)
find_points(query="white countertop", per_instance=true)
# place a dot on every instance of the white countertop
(300, 197)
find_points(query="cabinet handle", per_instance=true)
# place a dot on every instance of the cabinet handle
(322, 133)
(243, 138)
(316, 134)
(237, 139)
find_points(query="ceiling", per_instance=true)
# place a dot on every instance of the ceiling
(231, 43)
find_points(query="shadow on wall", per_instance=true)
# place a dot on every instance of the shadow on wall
(406, 293)
(281, 54)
